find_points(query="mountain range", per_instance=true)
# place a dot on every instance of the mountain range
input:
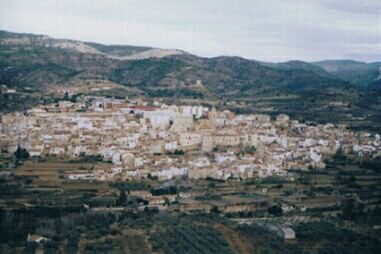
(39, 60)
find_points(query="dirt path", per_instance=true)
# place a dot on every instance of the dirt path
(236, 240)
(134, 242)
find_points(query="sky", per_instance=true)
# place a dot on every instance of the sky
(266, 30)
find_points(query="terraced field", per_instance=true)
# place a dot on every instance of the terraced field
(47, 183)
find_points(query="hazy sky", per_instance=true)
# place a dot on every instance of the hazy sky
(268, 30)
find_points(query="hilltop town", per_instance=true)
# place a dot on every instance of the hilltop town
(159, 141)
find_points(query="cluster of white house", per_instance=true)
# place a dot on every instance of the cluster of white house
(172, 141)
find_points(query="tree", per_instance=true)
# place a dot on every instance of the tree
(21, 153)
(66, 96)
(122, 199)
(351, 209)
(250, 149)
(275, 210)
(179, 152)
(30, 247)
(215, 210)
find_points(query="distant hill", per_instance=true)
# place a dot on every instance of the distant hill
(121, 52)
(36, 60)
(299, 65)
(357, 73)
